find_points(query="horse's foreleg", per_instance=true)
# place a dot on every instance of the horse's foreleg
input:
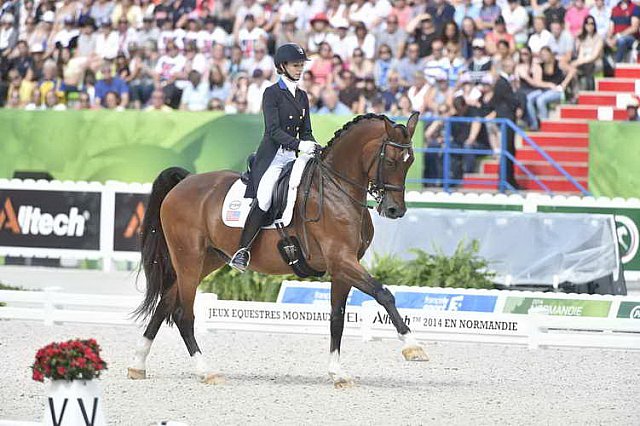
(339, 293)
(411, 350)
(358, 277)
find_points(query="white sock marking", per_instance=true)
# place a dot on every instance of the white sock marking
(142, 351)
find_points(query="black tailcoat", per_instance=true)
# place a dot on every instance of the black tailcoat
(286, 123)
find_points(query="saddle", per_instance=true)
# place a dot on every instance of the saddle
(280, 192)
(279, 216)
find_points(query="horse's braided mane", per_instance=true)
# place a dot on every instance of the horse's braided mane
(350, 124)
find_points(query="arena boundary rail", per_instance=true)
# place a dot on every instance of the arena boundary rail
(608, 321)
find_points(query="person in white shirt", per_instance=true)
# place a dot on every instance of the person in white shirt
(8, 34)
(194, 60)
(107, 41)
(195, 95)
(250, 35)
(362, 11)
(362, 39)
(602, 14)
(167, 35)
(338, 40)
(211, 35)
(292, 8)
(149, 31)
(126, 35)
(169, 65)
(67, 33)
(255, 92)
(248, 7)
(516, 19)
(260, 61)
(540, 37)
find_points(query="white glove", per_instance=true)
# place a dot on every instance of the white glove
(307, 147)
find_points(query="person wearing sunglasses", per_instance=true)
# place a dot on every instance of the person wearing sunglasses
(589, 48)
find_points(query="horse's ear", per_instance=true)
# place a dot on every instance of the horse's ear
(388, 125)
(412, 123)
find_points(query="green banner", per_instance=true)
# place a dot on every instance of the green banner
(614, 155)
(558, 307)
(629, 310)
(134, 146)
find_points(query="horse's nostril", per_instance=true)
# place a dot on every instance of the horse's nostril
(392, 211)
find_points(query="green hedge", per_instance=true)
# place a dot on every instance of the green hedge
(464, 269)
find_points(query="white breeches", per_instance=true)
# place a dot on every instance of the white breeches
(269, 178)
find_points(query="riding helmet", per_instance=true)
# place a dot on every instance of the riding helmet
(290, 52)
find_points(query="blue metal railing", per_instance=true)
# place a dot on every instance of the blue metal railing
(447, 150)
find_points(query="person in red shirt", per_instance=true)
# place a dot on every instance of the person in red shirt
(623, 28)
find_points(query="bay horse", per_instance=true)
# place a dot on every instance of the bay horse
(184, 238)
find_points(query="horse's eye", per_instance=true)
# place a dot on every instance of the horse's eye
(389, 163)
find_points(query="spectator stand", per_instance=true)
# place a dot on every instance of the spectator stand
(451, 153)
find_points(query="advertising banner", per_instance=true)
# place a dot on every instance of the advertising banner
(134, 146)
(629, 310)
(559, 307)
(50, 219)
(426, 298)
(316, 293)
(129, 213)
(445, 301)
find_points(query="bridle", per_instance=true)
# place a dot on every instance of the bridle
(377, 187)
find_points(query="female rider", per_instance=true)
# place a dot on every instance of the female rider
(287, 130)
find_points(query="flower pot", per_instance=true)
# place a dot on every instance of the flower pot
(73, 402)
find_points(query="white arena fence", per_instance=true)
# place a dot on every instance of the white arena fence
(533, 319)
(91, 220)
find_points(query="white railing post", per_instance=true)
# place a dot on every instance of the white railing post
(368, 312)
(49, 305)
(536, 316)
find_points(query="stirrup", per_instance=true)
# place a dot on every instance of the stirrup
(235, 262)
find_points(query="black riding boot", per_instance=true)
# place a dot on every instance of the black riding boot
(240, 259)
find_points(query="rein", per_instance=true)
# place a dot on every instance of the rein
(376, 188)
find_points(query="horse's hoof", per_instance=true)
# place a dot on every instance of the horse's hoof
(135, 374)
(213, 379)
(414, 353)
(341, 380)
(343, 383)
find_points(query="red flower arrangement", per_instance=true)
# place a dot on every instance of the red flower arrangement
(72, 360)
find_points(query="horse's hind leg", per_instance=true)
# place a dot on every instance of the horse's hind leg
(137, 369)
(189, 270)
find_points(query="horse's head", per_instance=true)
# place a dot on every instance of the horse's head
(388, 170)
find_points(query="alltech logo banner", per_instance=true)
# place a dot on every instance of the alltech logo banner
(50, 219)
(128, 218)
(629, 310)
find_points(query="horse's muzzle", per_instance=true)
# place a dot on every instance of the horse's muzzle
(393, 211)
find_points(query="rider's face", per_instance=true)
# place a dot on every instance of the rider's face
(294, 69)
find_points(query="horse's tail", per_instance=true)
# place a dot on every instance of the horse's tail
(155, 259)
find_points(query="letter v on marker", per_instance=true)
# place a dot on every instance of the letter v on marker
(93, 411)
(52, 408)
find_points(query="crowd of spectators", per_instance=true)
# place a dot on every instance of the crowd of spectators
(388, 56)
(383, 56)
